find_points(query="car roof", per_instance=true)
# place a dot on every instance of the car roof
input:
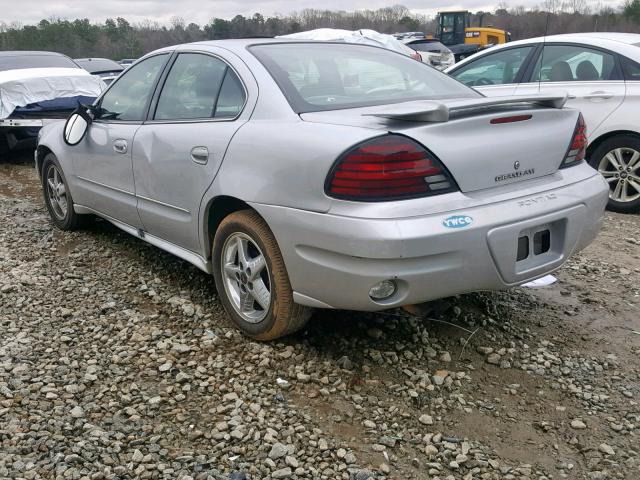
(239, 45)
(626, 44)
(25, 53)
(586, 37)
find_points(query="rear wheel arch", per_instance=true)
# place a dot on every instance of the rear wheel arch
(593, 146)
(216, 211)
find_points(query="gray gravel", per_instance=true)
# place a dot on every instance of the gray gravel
(117, 361)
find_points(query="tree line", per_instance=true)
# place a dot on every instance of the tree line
(118, 38)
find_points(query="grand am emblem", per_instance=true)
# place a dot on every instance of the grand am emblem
(517, 173)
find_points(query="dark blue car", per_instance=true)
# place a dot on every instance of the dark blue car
(36, 88)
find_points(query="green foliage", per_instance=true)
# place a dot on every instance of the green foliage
(632, 10)
(117, 38)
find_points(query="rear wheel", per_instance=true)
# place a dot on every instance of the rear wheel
(252, 280)
(4, 143)
(618, 161)
(57, 196)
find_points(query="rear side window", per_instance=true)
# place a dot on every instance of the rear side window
(631, 69)
(200, 86)
(574, 63)
(497, 68)
(432, 47)
(231, 98)
(332, 76)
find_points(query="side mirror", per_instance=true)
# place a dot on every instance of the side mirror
(76, 126)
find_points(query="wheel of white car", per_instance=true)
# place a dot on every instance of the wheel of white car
(618, 161)
(57, 196)
(251, 278)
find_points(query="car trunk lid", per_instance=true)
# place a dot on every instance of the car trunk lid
(483, 142)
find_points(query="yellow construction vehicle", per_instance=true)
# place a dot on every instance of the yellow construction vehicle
(455, 31)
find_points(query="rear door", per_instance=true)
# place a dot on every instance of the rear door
(591, 76)
(179, 150)
(497, 73)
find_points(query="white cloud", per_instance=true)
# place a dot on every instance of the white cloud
(201, 11)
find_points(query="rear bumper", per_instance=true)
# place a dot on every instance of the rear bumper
(21, 122)
(333, 261)
(27, 122)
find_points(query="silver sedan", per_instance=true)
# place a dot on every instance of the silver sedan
(325, 175)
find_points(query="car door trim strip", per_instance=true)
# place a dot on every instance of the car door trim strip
(105, 186)
(163, 204)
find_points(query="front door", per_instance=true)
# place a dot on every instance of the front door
(177, 153)
(592, 78)
(102, 161)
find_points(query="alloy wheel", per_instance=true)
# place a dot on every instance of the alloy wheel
(246, 277)
(621, 169)
(57, 193)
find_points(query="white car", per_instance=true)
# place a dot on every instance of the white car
(601, 74)
(431, 51)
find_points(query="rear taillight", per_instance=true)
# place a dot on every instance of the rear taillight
(578, 148)
(392, 167)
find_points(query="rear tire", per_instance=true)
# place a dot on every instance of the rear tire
(4, 143)
(57, 196)
(251, 278)
(618, 161)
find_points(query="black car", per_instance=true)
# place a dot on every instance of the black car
(108, 70)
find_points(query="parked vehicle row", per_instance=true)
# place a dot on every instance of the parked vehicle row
(106, 69)
(417, 47)
(326, 175)
(601, 74)
(37, 88)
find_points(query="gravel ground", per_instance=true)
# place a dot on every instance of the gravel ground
(117, 361)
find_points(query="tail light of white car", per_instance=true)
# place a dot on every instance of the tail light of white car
(392, 167)
(578, 148)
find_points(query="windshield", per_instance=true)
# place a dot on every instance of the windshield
(428, 46)
(331, 76)
(15, 62)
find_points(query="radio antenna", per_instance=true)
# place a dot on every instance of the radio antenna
(544, 40)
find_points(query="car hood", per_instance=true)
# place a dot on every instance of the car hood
(22, 87)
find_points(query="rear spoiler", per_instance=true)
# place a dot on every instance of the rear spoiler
(433, 111)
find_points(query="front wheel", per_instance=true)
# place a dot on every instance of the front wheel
(57, 196)
(251, 278)
(618, 161)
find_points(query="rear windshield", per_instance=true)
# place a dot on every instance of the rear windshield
(435, 47)
(35, 61)
(333, 76)
(97, 65)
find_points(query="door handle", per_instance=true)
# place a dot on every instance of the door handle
(599, 95)
(120, 146)
(200, 155)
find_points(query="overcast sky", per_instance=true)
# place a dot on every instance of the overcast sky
(201, 11)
